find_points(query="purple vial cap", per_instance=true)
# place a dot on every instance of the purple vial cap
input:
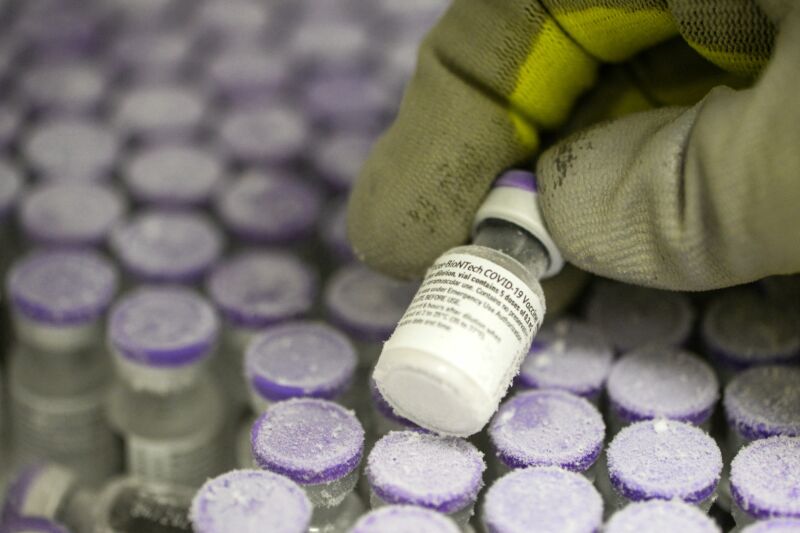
(300, 359)
(70, 213)
(662, 382)
(664, 459)
(334, 233)
(17, 491)
(308, 440)
(232, 19)
(10, 186)
(568, 355)
(243, 73)
(250, 501)
(542, 499)
(440, 473)
(348, 101)
(548, 428)
(151, 53)
(518, 179)
(325, 45)
(764, 401)
(174, 175)
(632, 316)
(167, 246)
(163, 327)
(366, 304)
(269, 208)
(383, 407)
(160, 110)
(339, 158)
(61, 287)
(258, 289)
(404, 519)
(32, 524)
(765, 478)
(661, 516)
(775, 525)
(255, 135)
(74, 86)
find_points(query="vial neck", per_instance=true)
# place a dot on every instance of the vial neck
(515, 242)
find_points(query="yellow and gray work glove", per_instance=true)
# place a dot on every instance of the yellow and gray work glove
(692, 196)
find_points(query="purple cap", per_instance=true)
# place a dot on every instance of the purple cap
(660, 516)
(338, 158)
(250, 501)
(518, 179)
(255, 136)
(10, 186)
(765, 478)
(10, 121)
(366, 304)
(775, 525)
(322, 44)
(243, 73)
(440, 473)
(163, 327)
(662, 382)
(29, 486)
(232, 19)
(160, 111)
(333, 232)
(269, 208)
(31, 524)
(167, 245)
(174, 175)
(664, 459)
(383, 407)
(764, 401)
(348, 101)
(308, 440)
(632, 316)
(73, 87)
(150, 54)
(258, 289)
(404, 519)
(61, 29)
(71, 149)
(568, 355)
(70, 213)
(548, 428)
(300, 359)
(742, 328)
(542, 499)
(61, 287)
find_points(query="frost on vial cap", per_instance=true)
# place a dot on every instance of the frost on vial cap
(542, 499)
(662, 382)
(250, 501)
(664, 459)
(764, 401)
(256, 135)
(765, 478)
(661, 516)
(774, 525)
(404, 519)
(308, 440)
(547, 428)
(440, 473)
(160, 110)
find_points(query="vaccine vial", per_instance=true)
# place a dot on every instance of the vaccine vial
(246, 73)
(251, 501)
(217, 24)
(339, 155)
(663, 460)
(325, 43)
(440, 473)
(143, 55)
(471, 324)
(774, 525)
(404, 518)
(348, 102)
(44, 490)
(541, 499)
(158, 112)
(568, 355)
(165, 405)
(661, 382)
(661, 516)
(63, 88)
(548, 428)
(764, 480)
(317, 444)
(631, 316)
(264, 136)
(30, 524)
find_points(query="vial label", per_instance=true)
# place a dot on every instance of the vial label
(188, 461)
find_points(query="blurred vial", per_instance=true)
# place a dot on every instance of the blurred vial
(76, 87)
(167, 246)
(348, 103)
(165, 405)
(548, 428)
(542, 500)
(774, 525)
(661, 382)
(70, 149)
(384, 418)
(329, 44)
(142, 56)
(144, 15)
(248, 73)
(398, 63)
(11, 182)
(338, 157)
(70, 214)
(217, 24)
(263, 136)
(31, 524)
(632, 316)
(659, 516)
(439, 473)
(251, 501)
(333, 234)
(59, 28)
(317, 444)
(10, 125)
(400, 518)
(568, 355)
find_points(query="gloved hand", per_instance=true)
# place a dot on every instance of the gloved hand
(687, 198)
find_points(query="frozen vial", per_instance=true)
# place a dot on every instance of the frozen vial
(632, 316)
(70, 214)
(173, 176)
(774, 525)
(159, 112)
(72, 87)
(548, 428)
(165, 405)
(241, 74)
(264, 136)
(220, 23)
(568, 355)
(333, 234)
(404, 519)
(661, 382)
(317, 444)
(439, 473)
(151, 55)
(342, 102)
(167, 246)
(338, 157)
(70, 149)
(32, 524)
(251, 501)
(765, 476)
(323, 45)
(663, 460)
(542, 500)
(660, 516)
(384, 418)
